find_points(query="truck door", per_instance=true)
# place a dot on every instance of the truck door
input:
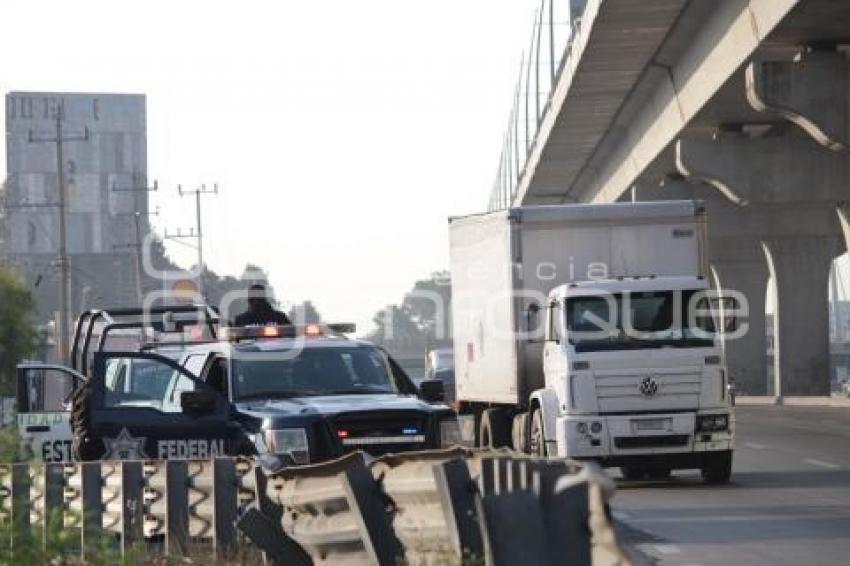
(44, 408)
(146, 406)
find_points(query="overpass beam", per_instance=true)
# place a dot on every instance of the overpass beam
(775, 169)
(810, 92)
(800, 270)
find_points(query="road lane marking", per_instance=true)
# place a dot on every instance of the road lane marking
(821, 463)
(755, 445)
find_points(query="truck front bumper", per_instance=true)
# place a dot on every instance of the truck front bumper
(615, 439)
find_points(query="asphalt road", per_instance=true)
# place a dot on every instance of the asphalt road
(788, 501)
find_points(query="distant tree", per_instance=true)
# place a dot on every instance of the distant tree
(396, 331)
(304, 313)
(228, 292)
(18, 337)
(3, 235)
(428, 305)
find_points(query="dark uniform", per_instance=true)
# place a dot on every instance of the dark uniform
(261, 314)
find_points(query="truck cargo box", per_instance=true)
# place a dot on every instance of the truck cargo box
(504, 263)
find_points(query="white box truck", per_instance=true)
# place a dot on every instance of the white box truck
(587, 331)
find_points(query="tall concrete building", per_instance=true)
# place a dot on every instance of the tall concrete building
(100, 175)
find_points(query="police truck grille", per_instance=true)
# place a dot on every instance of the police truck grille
(381, 433)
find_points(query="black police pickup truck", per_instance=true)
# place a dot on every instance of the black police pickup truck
(302, 394)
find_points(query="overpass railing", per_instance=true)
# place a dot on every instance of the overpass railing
(556, 24)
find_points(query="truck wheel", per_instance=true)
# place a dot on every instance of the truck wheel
(495, 429)
(537, 442)
(85, 446)
(718, 467)
(658, 473)
(519, 433)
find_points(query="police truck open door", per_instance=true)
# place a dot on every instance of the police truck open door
(44, 394)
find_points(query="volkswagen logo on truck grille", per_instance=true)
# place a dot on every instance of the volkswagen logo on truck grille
(648, 386)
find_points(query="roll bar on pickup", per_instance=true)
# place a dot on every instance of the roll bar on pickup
(158, 319)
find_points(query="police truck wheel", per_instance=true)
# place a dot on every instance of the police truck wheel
(495, 429)
(718, 467)
(86, 446)
(537, 444)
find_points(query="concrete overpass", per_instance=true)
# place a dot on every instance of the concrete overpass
(742, 103)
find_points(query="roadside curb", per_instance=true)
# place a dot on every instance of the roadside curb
(793, 401)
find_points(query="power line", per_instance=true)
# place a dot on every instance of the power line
(197, 233)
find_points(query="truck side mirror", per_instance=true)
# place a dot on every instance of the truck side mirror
(197, 403)
(432, 391)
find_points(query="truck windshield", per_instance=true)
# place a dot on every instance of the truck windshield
(313, 371)
(651, 319)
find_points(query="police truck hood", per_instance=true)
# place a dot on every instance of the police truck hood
(331, 404)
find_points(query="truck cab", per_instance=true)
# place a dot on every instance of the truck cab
(635, 370)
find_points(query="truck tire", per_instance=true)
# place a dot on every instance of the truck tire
(85, 446)
(633, 473)
(520, 432)
(718, 467)
(537, 440)
(658, 473)
(495, 429)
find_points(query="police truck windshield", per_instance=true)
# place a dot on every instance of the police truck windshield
(312, 372)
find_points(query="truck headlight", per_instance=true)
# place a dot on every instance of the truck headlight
(291, 442)
(450, 433)
(712, 423)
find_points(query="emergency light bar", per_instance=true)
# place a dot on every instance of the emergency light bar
(236, 334)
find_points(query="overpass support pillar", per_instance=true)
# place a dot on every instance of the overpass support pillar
(784, 190)
(746, 357)
(844, 220)
(800, 270)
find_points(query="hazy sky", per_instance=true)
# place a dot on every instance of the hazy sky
(342, 133)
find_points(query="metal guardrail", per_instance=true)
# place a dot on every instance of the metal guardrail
(167, 508)
(434, 507)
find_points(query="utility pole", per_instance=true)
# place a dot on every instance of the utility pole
(197, 233)
(136, 246)
(138, 242)
(64, 322)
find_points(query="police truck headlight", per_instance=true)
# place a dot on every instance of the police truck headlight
(450, 433)
(291, 442)
(712, 423)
